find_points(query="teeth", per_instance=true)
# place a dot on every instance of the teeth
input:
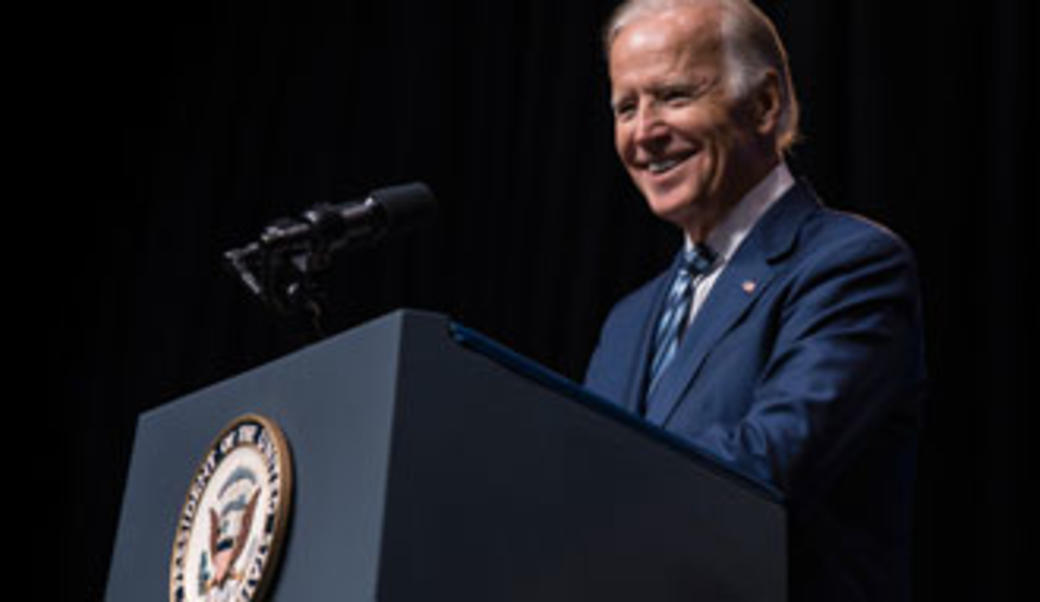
(659, 166)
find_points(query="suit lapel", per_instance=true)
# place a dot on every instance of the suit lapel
(638, 369)
(745, 277)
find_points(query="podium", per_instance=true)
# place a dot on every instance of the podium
(431, 464)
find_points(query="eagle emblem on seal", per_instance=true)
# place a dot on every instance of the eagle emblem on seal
(234, 518)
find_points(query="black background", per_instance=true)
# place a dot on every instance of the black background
(181, 128)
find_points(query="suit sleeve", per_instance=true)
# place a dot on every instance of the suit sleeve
(846, 362)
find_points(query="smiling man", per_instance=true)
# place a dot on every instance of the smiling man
(692, 136)
(785, 339)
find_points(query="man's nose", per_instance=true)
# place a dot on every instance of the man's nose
(650, 128)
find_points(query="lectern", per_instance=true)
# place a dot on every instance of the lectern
(431, 464)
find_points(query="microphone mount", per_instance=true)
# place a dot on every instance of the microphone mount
(282, 266)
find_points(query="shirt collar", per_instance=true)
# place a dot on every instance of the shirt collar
(727, 235)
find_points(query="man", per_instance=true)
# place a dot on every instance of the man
(785, 339)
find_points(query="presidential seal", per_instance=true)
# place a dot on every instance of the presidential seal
(230, 530)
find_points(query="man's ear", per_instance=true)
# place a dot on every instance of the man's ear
(766, 104)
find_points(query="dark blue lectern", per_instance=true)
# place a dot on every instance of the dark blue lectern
(432, 465)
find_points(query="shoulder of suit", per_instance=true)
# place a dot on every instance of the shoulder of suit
(834, 244)
(830, 228)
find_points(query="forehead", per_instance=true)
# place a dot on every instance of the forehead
(674, 40)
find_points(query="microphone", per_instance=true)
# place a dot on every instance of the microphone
(394, 209)
(279, 268)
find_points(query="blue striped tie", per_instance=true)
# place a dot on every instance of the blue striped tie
(670, 327)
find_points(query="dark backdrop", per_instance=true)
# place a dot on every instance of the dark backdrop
(184, 127)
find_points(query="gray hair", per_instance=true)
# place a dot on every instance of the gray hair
(752, 48)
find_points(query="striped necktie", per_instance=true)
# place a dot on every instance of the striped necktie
(695, 262)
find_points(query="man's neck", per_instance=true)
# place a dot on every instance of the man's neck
(728, 233)
(698, 229)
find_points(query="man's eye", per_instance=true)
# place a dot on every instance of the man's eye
(624, 109)
(677, 96)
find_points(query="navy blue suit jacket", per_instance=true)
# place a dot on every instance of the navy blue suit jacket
(803, 368)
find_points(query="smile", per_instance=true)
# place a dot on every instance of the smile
(663, 165)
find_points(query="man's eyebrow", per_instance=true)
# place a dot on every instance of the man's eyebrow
(673, 86)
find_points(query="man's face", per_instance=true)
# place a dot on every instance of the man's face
(678, 132)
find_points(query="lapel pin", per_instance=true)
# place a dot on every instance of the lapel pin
(748, 286)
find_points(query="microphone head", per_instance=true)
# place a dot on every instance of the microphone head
(406, 206)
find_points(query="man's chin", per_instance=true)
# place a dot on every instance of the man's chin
(694, 216)
(677, 211)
